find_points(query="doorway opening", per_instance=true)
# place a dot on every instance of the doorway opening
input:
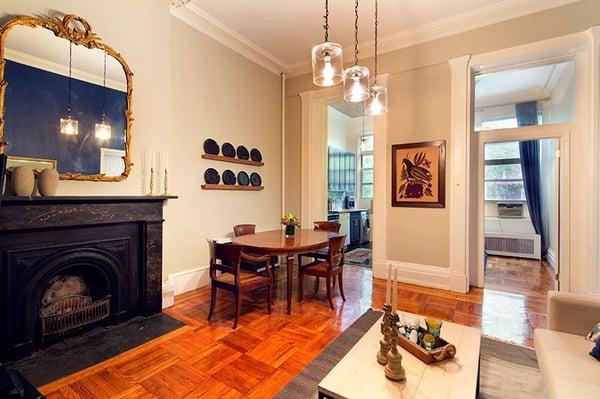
(520, 202)
(350, 164)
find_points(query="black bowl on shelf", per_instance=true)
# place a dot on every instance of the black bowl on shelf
(228, 150)
(211, 147)
(243, 178)
(255, 155)
(229, 178)
(255, 179)
(211, 176)
(242, 153)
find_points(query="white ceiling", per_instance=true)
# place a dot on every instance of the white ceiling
(283, 31)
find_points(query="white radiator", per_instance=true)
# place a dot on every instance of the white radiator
(517, 245)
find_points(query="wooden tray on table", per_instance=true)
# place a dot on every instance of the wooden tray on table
(443, 350)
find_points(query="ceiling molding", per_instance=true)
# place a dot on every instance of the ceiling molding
(212, 27)
(505, 10)
(464, 22)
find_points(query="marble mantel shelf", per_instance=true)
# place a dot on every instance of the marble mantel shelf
(7, 200)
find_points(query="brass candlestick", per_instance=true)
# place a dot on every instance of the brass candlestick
(384, 343)
(151, 181)
(393, 368)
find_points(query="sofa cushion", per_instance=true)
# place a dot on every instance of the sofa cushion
(567, 368)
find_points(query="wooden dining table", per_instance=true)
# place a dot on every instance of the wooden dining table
(275, 243)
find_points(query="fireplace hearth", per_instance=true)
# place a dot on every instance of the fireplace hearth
(68, 263)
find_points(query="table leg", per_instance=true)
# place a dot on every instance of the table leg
(290, 281)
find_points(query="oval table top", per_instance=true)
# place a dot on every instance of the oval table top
(275, 240)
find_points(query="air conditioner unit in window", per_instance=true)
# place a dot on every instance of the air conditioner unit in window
(510, 210)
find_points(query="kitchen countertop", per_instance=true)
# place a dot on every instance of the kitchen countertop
(349, 210)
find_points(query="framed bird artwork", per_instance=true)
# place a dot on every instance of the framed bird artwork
(419, 174)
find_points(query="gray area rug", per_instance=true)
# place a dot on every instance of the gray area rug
(506, 370)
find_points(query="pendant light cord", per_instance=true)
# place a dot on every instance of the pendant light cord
(376, 23)
(104, 91)
(70, 77)
(356, 32)
(326, 17)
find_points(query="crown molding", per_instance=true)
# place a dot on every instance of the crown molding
(464, 22)
(197, 18)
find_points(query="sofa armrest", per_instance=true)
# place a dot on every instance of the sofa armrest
(572, 313)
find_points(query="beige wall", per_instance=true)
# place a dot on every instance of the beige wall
(419, 90)
(187, 88)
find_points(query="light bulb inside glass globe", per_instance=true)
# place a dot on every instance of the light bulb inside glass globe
(357, 90)
(69, 126)
(328, 72)
(102, 131)
(377, 103)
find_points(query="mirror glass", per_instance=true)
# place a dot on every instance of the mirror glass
(37, 98)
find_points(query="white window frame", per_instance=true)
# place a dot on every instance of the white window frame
(361, 153)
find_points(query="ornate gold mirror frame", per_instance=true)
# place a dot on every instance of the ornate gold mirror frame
(79, 32)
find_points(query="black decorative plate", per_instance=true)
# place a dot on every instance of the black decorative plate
(255, 155)
(242, 152)
(243, 179)
(255, 179)
(229, 177)
(211, 147)
(228, 150)
(211, 176)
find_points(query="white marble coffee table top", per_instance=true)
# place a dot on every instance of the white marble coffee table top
(358, 375)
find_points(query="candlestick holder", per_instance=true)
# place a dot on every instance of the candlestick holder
(166, 183)
(151, 181)
(384, 343)
(393, 368)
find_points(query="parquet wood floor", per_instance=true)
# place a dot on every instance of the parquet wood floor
(210, 360)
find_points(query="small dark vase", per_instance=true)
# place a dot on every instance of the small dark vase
(290, 230)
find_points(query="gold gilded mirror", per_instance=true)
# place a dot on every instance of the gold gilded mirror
(65, 96)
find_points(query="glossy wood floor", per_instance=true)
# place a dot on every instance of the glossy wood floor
(211, 360)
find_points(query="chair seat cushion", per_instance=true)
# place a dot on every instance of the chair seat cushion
(245, 278)
(318, 268)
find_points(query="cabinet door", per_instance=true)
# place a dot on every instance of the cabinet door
(354, 228)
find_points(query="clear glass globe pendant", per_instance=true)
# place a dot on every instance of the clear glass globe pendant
(356, 84)
(377, 104)
(327, 64)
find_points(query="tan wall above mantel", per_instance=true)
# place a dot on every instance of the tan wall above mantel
(419, 90)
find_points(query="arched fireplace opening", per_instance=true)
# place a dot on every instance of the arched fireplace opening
(74, 300)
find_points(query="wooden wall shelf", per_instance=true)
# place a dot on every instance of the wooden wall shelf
(231, 160)
(231, 187)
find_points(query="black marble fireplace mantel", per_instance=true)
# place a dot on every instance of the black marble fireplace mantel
(118, 238)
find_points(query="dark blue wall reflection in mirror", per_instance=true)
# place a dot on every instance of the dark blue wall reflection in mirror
(36, 99)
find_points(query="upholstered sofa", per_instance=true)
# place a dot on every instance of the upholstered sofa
(562, 351)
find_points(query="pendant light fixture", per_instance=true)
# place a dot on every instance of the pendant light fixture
(327, 61)
(103, 128)
(356, 78)
(68, 125)
(377, 103)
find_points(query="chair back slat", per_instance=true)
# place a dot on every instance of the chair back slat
(336, 254)
(226, 258)
(244, 229)
(333, 227)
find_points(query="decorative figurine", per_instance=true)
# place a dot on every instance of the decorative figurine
(393, 368)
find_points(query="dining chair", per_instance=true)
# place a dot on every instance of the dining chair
(330, 268)
(245, 229)
(226, 274)
(333, 227)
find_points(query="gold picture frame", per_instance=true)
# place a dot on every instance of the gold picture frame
(78, 31)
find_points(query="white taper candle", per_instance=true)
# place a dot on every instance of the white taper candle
(388, 288)
(395, 304)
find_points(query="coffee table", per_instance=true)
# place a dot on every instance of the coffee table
(358, 375)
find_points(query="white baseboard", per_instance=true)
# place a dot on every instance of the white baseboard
(425, 275)
(551, 258)
(184, 281)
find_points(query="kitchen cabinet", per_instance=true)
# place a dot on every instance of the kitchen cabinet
(354, 228)
(341, 170)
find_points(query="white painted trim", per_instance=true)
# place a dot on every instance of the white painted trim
(283, 163)
(200, 20)
(424, 275)
(594, 125)
(381, 179)
(188, 280)
(464, 22)
(168, 294)
(551, 258)
(63, 70)
(458, 155)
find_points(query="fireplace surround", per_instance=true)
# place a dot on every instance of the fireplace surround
(100, 248)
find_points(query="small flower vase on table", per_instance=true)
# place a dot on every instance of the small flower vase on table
(290, 231)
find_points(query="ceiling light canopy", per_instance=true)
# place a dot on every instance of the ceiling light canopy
(327, 60)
